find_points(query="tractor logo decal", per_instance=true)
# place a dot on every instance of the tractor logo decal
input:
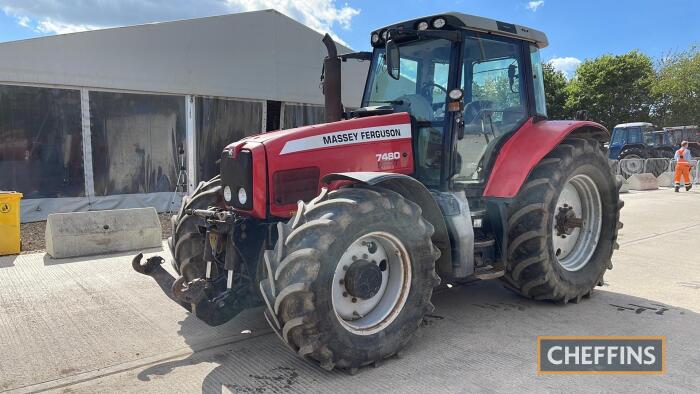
(348, 137)
(4, 207)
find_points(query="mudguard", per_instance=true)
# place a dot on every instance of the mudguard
(532, 142)
(415, 191)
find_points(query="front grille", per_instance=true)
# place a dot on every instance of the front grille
(237, 173)
(297, 184)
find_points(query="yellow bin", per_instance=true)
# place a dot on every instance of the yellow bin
(9, 222)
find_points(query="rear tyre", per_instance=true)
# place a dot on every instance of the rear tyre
(563, 224)
(187, 242)
(351, 277)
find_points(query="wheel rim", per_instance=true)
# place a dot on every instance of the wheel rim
(365, 307)
(577, 223)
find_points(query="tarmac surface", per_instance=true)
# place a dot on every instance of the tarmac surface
(94, 325)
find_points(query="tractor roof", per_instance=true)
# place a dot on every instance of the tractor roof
(477, 23)
(633, 124)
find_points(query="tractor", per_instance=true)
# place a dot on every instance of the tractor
(635, 142)
(638, 141)
(449, 172)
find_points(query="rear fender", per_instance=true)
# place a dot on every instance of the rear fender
(530, 144)
(412, 190)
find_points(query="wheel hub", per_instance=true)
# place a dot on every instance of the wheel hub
(566, 221)
(577, 221)
(363, 279)
(371, 283)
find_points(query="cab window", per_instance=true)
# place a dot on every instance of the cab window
(494, 101)
(634, 135)
(618, 137)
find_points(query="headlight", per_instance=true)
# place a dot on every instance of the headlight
(242, 196)
(375, 38)
(422, 25)
(227, 193)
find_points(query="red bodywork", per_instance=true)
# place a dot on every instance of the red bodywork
(521, 153)
(305, 149)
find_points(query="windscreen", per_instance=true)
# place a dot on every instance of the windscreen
(422, 86)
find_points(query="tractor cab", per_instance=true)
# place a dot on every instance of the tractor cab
(466, 89)
(637, 136)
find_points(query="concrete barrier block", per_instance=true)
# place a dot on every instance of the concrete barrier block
(665, 179)
(643, 181)
(624, 185)
(87, 233)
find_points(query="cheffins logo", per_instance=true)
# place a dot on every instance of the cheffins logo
(601, 355)
(4, 207)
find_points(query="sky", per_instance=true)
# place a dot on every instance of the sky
(577, 30)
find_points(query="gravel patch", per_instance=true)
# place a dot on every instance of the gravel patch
(32, 235)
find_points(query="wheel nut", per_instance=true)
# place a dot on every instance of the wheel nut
(364, 256)
(342, 282)
(354, 299)
(345, 268)
(345, 294)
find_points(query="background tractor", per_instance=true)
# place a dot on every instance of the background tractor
(639, 141)
(634, 142)
(450, 172)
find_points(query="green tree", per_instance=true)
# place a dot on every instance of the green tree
(677, 89)
(554, 91)
(614, 89)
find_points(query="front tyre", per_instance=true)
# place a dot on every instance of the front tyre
(351, 277)
(563, 224)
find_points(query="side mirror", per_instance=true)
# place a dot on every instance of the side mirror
(393, 60)
(511, 76)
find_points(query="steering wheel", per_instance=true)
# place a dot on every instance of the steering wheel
(429, 85)
(474, 109)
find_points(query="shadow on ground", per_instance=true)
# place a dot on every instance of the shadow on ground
(476, 329)
(48, 260)
(8, 261)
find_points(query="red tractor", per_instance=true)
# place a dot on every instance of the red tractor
(449, 172)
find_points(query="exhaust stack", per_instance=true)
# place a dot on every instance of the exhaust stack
(331, 82)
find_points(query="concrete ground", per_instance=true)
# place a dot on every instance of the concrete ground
(94, 325)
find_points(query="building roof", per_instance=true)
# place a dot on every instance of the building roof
(255, 55)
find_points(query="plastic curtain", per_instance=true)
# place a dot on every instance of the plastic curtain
(297, 115)
(219, 123)
(41, 142)
(136, 140)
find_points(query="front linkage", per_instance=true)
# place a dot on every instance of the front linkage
(225, 289)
